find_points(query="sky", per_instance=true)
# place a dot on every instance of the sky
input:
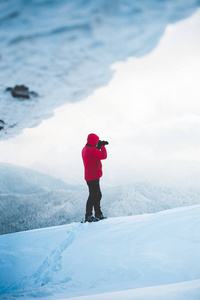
(149, 112)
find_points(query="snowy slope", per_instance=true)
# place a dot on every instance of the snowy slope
(30, 200)
(19, 180)
(153, 256)
(179, 291)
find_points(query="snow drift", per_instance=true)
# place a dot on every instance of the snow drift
(153, 256)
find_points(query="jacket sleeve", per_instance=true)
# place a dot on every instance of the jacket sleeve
(99, 154)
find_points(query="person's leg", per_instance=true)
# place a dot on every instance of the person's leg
(94, 198)
(97, 200)
(89, 204)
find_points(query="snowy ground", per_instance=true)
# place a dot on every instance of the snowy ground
(56, 48)
(185, 290)
(153, 256)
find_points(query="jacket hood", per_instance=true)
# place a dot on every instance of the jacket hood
(92, 139)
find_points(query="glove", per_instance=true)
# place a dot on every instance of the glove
(101, 143)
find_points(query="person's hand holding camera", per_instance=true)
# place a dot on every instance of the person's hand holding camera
(101, 143)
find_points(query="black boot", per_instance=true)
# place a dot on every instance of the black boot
(91, 219)
(100, 217)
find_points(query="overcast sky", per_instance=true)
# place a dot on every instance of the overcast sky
(149, 113)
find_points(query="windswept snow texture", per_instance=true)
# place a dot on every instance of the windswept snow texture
(30, 200)
(153, 256)
(63, 49)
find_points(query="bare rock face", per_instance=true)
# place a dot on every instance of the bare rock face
(21, 91)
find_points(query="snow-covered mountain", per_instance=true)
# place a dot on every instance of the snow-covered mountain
(63, 49)
(19, 180)
(30, 200)
(144, 257)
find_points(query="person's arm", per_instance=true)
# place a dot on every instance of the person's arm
(99, 154)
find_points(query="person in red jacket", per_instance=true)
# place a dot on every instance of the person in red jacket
(92, 154)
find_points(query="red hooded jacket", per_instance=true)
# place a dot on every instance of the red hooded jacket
(91, 158)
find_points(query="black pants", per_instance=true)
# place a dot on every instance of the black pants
(94, 198)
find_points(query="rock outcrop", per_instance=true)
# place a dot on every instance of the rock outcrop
(21, 91)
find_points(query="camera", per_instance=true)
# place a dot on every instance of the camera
(101, 143)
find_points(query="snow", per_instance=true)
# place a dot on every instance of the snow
(19, 180)
(30, 199)
(180, 291)
(149, 113)
(63, 50)
(152, 256)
